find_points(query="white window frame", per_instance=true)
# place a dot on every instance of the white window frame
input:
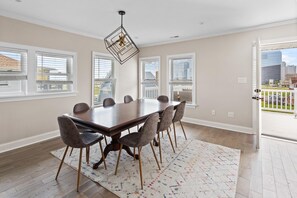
(30, 90)
(180, 56)
(141, 74)
(103, 55)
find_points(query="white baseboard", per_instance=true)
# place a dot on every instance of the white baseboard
(219, 125)
(46, 136)
(28, 141)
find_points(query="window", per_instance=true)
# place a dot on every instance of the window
(182, 78)
(13, 74)
(149, 74)
(54, 72)
(27, 71)
(103, 84)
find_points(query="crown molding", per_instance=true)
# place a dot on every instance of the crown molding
(240, 30)
(47, 24)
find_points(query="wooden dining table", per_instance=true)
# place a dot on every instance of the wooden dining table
(112, 121)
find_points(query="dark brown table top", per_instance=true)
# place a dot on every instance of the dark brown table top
(112, 120)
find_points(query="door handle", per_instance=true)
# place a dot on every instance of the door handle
(257, 90)
(257, 98)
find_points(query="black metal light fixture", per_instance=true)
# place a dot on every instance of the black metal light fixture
(120, 44)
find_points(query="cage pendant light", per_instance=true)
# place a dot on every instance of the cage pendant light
(120, 44)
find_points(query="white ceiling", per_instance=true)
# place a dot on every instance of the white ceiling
(151, 21)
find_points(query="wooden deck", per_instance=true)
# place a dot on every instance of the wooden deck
(279, 124)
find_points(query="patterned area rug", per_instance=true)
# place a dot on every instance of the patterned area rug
(197, 169)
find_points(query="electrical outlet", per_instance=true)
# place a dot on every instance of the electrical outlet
(213, 112)
(231, 114)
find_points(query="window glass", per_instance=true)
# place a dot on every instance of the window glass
(103, 80)
(182, 69)
(13, 76)
(54, 73)
(10, 61)
(181, 85)
(149, 78)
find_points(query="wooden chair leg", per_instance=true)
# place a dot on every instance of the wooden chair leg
(174, 134)
(155, 155)
(162, 135)
(140, 167)
(181, 124)
(121, 146)
(105, 140)
(160, 147)
(61, 163)
(79, 168)
(170, 141)
(71, 152)
(102, 154)
(134, 153)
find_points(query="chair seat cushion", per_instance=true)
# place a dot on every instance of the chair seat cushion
(130, 140)
(90, 138)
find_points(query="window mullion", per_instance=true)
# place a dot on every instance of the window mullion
(31, 72)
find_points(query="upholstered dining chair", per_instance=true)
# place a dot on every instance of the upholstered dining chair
(139, 139)
(72, 138)
(128, 99)
(80, 108)
(108, 102)
(163, 98)
(178, 115)
(163, 125)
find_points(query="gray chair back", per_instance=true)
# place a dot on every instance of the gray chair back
(163, 98)
(128, 99)
(148, 130)
(166, 119)
(69, 132)
(179, 112)
(80, 107)
(107, 102)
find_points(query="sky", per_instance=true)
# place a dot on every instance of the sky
(290, 56)
(16, 56)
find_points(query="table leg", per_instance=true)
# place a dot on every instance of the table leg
(114, 145)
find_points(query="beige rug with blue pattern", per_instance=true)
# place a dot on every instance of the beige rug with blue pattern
(197, 169)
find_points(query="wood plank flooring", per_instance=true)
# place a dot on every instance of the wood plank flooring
(268, 172)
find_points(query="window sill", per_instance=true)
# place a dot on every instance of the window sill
(37, 96)
(191, 106)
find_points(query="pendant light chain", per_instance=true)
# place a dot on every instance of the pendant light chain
(122, 20)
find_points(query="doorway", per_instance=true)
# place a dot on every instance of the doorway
(278, 83)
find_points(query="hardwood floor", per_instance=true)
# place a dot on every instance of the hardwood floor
(268, 172)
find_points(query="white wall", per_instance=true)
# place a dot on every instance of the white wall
(25, 119)
(220, 61)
